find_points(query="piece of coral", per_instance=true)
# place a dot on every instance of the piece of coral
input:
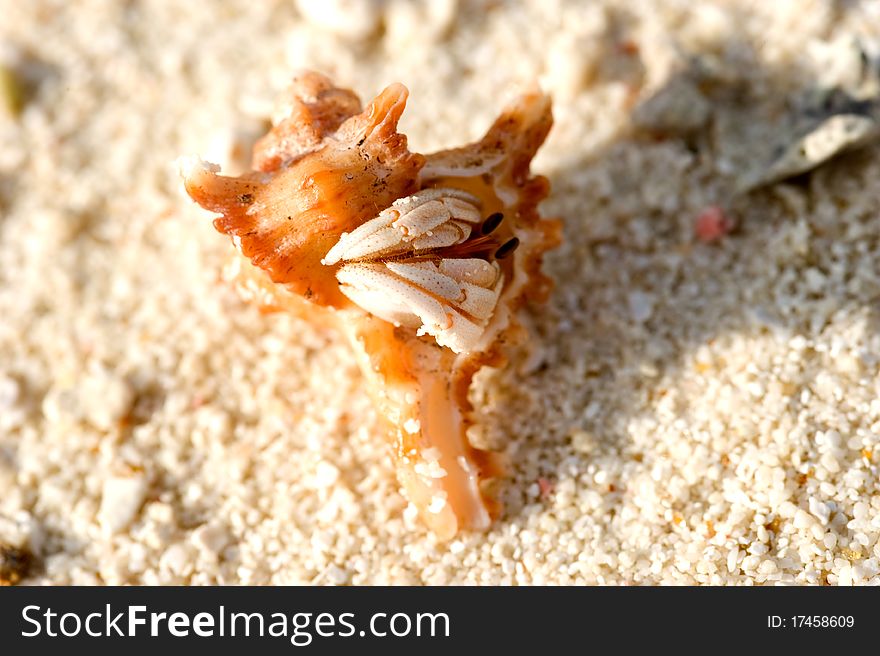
(422, 261)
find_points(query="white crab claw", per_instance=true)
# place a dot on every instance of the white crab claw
(454, 311)
(449, 234)
(427, 276)
(374, 236)
(434, 218)
(384, 271)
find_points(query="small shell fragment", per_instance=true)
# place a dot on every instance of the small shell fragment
(121, 500)
(828, 121)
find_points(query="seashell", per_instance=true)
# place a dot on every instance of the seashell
(422, 261)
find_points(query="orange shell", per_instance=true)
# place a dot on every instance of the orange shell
(324, 170)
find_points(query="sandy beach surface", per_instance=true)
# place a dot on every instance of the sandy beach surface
(699, 402)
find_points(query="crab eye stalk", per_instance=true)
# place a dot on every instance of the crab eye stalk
(491, 223)
(507, 248)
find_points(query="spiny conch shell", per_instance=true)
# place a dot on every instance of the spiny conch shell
(422, 261)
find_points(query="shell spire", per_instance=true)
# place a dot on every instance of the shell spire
(422, 261)
(285, 219)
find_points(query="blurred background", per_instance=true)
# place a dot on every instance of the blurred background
(699, 403)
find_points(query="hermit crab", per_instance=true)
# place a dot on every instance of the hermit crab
(421, 261)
